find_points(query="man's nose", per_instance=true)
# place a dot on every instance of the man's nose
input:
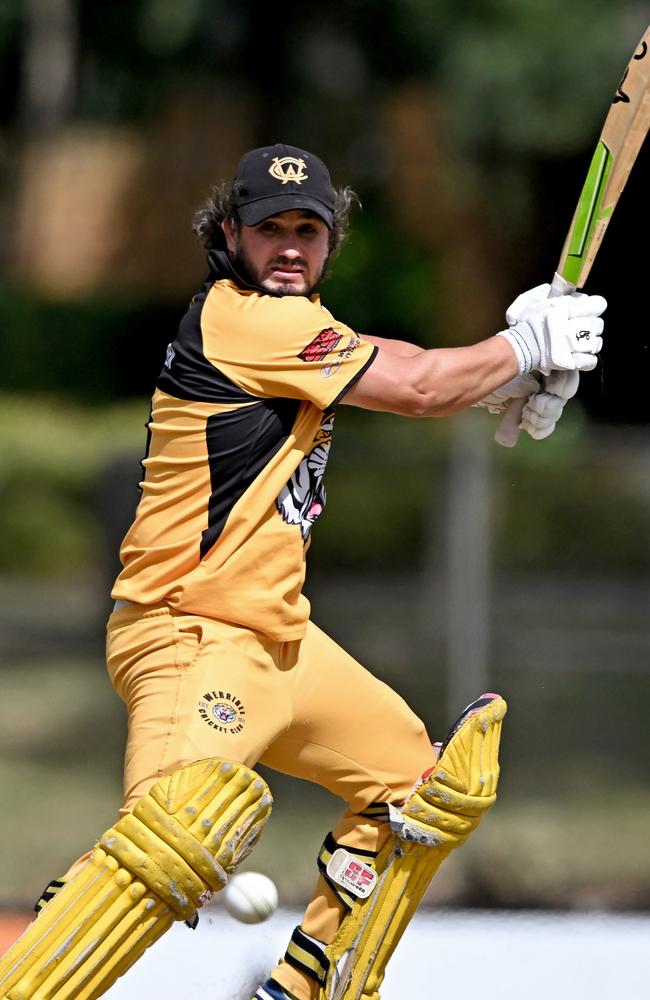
(290, 250)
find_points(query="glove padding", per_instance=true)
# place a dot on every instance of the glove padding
(518, 387)
(544, 408)
(563, 332)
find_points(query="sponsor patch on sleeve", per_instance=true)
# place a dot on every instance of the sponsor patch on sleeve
(324, 342)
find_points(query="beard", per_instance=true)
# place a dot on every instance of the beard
(245, 268)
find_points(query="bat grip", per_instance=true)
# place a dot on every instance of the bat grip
(507, 432)
(560, 286)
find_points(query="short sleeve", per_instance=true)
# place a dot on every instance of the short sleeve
(287, 346)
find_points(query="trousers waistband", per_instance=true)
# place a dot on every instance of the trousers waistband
(122, 604)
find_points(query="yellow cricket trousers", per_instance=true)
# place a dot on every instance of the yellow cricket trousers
(197, 688)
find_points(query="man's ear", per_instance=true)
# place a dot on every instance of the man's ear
(230, 229)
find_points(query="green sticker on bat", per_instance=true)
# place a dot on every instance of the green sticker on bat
(588, 212)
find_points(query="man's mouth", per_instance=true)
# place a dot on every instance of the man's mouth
(286, 270)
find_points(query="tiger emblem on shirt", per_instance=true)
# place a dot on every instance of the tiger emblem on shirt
(302, 500)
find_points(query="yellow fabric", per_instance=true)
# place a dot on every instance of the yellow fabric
(265, 348)
(306, 708)
(153, 867)
(258, 340)
(445, 808)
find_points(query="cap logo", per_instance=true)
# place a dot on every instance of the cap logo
(288, 168)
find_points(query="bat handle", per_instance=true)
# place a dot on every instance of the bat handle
(507, 432)
(560, 286)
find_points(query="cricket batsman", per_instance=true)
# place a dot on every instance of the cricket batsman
(211, 645)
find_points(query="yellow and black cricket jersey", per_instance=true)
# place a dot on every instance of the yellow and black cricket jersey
(240, 432)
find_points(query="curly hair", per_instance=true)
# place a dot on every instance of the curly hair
(206, 223)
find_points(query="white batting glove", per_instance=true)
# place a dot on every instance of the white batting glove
(564, 332)
(518, 387)
(527, 302)
(543, 409)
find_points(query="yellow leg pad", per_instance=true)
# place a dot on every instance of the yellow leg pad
(445, 807)
(153, 867)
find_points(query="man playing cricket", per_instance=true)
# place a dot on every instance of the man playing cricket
(211, 645)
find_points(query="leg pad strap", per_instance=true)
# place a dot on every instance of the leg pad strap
(308, 956)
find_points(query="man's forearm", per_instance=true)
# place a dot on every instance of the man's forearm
(451, 379)
(544, 334)
(434, 382)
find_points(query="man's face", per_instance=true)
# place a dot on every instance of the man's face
(284, 254)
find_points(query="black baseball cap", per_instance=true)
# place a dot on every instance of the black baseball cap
(280, 178)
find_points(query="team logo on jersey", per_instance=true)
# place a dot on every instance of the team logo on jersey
(302, 500)
(322, 344)
(288, 168)
(222, 711)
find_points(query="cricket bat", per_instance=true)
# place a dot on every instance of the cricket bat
(625, 128)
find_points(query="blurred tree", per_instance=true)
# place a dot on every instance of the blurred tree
(49, 63)
(466, 130)
(9, 57)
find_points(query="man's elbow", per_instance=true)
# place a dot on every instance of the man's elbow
(428, 401)
(427, 390)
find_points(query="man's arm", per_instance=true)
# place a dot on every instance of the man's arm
(432, 383)
(399, 347)
(549, 334)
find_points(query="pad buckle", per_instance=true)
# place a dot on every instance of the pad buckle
(406, 830)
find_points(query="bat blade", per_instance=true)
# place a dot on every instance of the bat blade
(623, 134)
(624, 131)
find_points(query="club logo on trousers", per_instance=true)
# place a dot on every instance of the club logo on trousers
(222, 711)
(288, 168)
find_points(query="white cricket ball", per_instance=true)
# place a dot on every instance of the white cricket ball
(250, 897)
